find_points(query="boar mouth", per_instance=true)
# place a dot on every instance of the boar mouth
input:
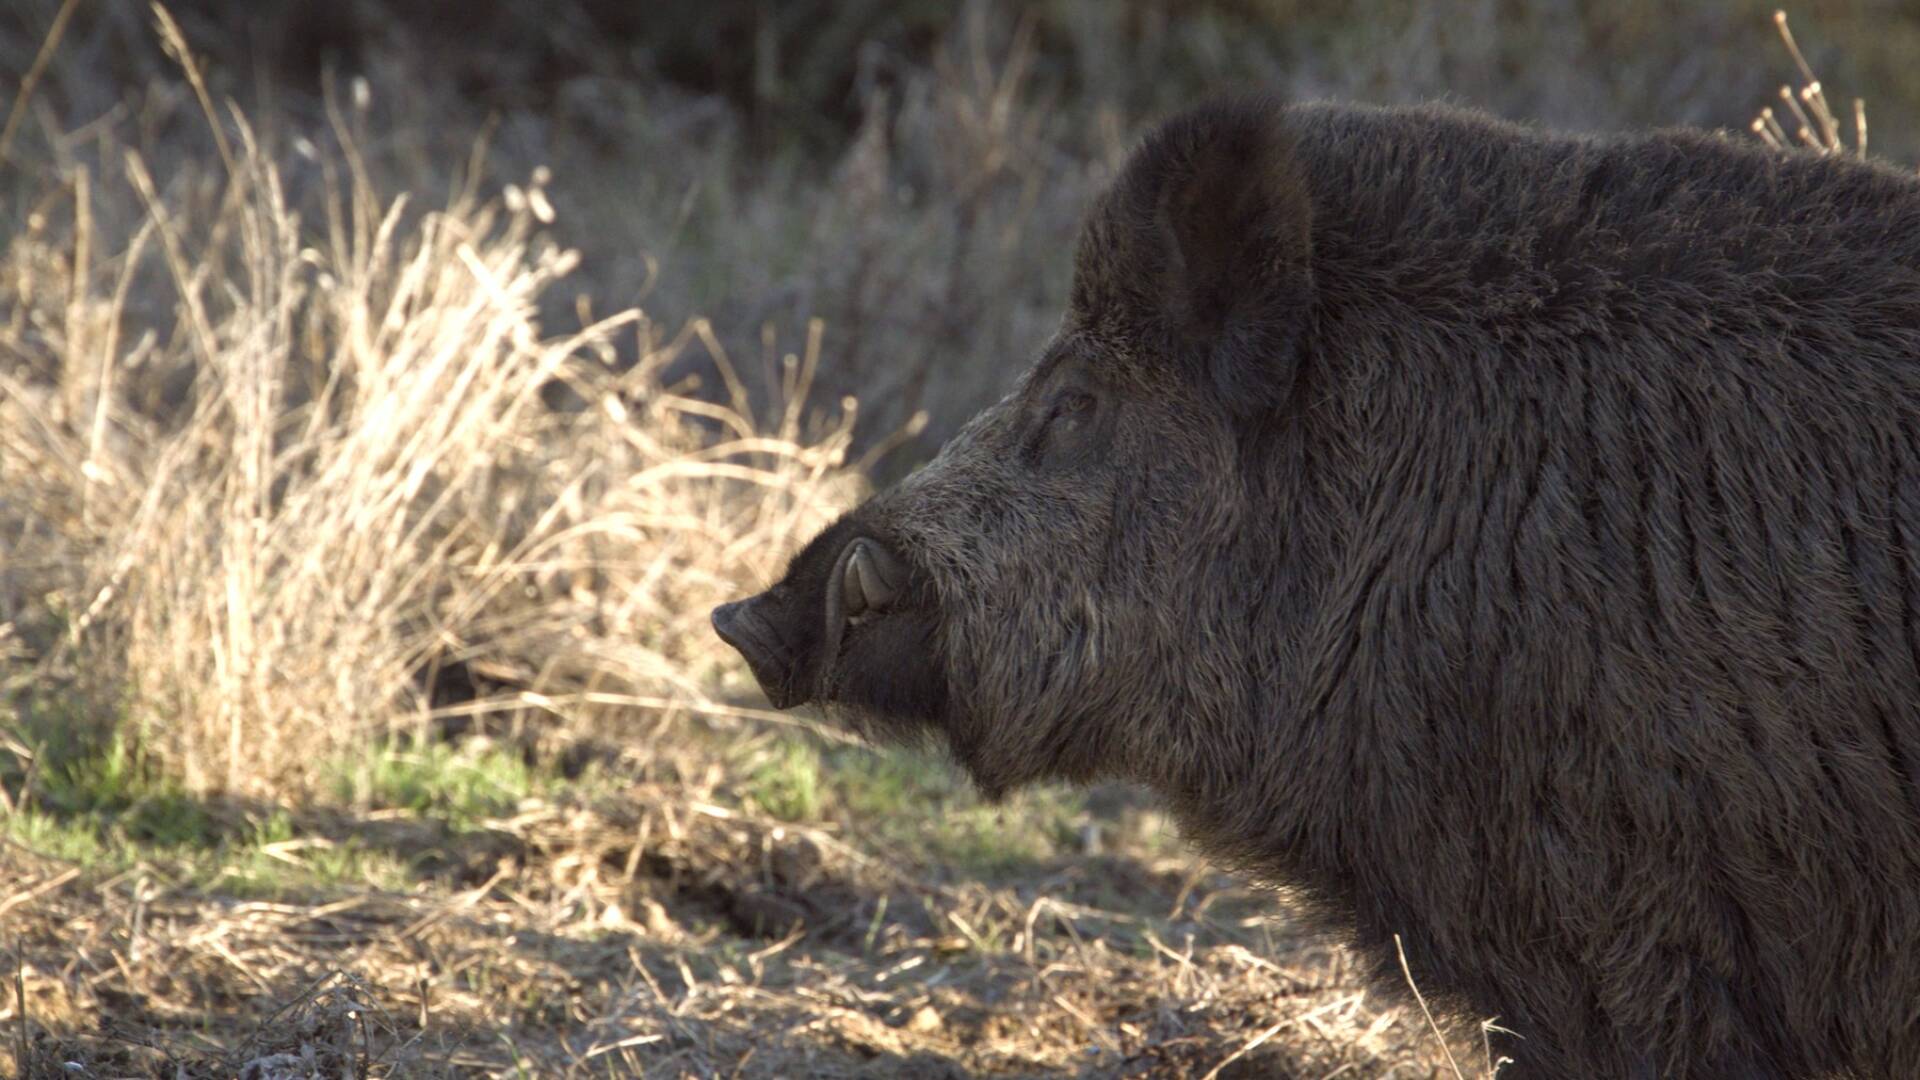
(790, 642)
(774, 664)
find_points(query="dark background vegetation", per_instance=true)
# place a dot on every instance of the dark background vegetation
(910, 172)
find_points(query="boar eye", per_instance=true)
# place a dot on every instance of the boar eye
(1071, 406)
(1064, 432)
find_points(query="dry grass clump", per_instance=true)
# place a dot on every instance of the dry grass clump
(266, 479)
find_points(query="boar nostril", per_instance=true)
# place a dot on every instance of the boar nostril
(872, 578)
(727, 623)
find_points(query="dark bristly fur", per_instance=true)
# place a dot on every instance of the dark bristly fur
(1512, 541)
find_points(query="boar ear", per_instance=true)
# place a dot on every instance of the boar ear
(1209, 229)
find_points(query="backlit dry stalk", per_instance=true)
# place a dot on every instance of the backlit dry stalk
(1814, 124)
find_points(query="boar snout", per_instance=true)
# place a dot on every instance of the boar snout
(791, 634)
(745, 625)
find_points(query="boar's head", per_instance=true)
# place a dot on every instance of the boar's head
(1065, 590)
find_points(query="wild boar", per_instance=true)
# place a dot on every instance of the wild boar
(1506, 539)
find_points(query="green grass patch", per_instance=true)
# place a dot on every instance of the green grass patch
(77, 841)
(912, 800)
(1032, 826)
(916, 799)
(460, 785)
(97, 801)
(103, 805)
(89, 796)
(266, 860)
(787, 784)
(106, 788)
(275, 860)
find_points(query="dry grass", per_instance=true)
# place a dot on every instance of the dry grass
(350, 478)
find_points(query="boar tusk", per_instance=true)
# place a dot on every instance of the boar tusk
(872, 578)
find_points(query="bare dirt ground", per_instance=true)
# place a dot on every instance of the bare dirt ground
(656, 930)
